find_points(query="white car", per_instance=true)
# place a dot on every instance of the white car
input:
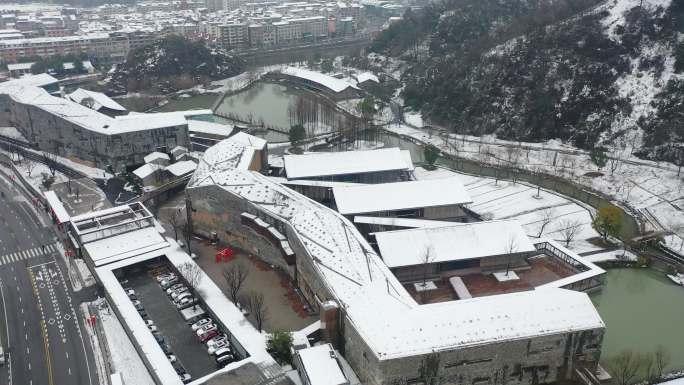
(200, 323)
(136, 302)
(206, 328)
(149, 322)
(221, 344)
(185, 377)
(174, 288)
(165, 284)
(165, 276)
(218, 339)
(152, 328)
(171, 358)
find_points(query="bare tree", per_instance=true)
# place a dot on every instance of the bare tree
(511, 248)
(662, 358)
(30, 165)
(545, 218)
(649, 368)
(569, 228)
(235, 276)
(258, 308)
(428, 257)
(625, 367)
(176, 223)
(50, 161)
(187, 234)
(192, 274)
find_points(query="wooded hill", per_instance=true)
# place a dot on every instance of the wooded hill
(587, 72)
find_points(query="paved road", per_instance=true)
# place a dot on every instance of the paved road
(40, 326)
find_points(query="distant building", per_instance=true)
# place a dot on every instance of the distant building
(103, 47)
(337, 89)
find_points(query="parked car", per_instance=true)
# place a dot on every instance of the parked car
(186, 303)
(182, 296)
(136, 302)
(152, 328)
(225, 359)
(165, 348)
(174, 288)
(138, 306)
(165, 284)
(164, 276)
(208, 335)
(159, 338)
(142, 313)
(172, 358)
(149, 322)
(216, 340)
(223, 344)
(129, 291)
(185, 377)
(201, 323)
(206, 328)
(179, 292)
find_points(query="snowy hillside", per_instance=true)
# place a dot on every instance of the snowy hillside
(606, 74)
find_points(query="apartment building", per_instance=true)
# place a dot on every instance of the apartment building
(102, 47)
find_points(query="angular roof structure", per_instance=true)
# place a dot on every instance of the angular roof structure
(400, 196)
(382, 311)
(344, 163)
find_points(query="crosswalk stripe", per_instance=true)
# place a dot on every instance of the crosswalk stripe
(28, 253)
(4, 259)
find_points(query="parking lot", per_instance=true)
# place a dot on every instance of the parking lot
(184, 344)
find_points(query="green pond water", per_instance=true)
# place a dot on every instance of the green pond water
(641, 309)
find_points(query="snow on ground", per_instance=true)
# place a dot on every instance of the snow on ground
(242, 80)
(413, 119)
(616, 12)
(37, 171)
(12, 132)
(97, 350)
(123, 356)
(508, 200)
(613, 255)
(651, 189)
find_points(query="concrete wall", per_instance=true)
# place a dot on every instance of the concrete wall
(57, 135)
(215, 209)
(543, 359)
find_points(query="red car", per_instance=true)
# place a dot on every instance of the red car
(208, 335)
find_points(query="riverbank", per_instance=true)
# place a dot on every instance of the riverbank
(649, 191)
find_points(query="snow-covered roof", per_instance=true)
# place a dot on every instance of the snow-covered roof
(401, 222)
(151, 157)
(365, 76)
(179, 150)
(452, 243)
(382, 311)
(334, 84)
(125, 245)
(181, 168)
(90, 119)
(38, 80)
(205, 127)
(320, 366)
(19, 66)
(400, 195)
(57, 206)
(100, 100)
(343, 163)
(249, 140)
(146, 170)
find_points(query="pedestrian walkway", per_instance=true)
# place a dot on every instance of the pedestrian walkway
(27, 254)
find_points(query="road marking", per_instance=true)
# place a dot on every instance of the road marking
(27, 254)
(9, 357)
